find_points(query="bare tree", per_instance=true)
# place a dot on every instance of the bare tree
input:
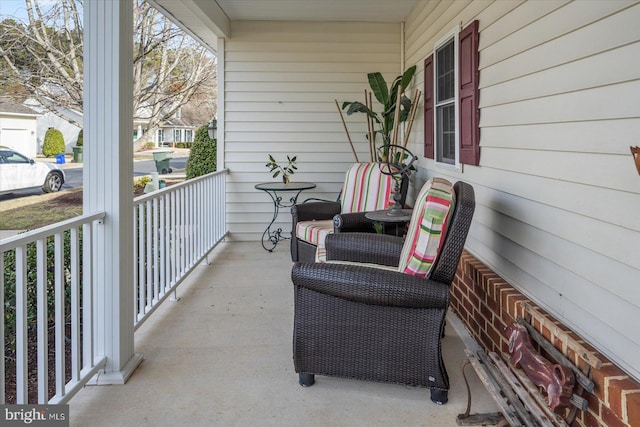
(45, 56)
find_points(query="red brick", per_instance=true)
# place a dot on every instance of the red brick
(473, 298)
(467, 306)
(496, 288)
(633, 409)
(504, 346)
(598, 376)
(499, 324)
(616, 388)
(593, 402)
(513, 301)
(611, 419)
(494, 334)
(591, 421)
(474, 326)
(493, 305)
(505, 296)
(485, 341)
(485, 312)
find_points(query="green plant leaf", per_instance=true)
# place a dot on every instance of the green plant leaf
(407, 76)
(379, 88)
(359, 107)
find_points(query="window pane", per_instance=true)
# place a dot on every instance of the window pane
(446, 134)
(445, 77)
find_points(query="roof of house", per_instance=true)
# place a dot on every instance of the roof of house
(12, 107)
(189, 117)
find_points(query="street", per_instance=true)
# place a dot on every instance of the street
(73, 176)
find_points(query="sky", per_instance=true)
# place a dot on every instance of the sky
(17, 8)
(13, 7)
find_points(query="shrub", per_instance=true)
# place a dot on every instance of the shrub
(140, 183)
(31, 286)
(202, 159)
(53, 143)
(80, 137)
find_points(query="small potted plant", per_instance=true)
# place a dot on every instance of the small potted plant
(286, 170)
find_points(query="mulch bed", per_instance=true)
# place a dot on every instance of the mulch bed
(32, 368)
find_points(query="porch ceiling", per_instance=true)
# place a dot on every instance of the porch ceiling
(206, 20)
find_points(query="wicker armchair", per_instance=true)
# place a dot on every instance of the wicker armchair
(379, 323)
(365, 188)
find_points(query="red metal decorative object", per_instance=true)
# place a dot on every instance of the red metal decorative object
(555, 379)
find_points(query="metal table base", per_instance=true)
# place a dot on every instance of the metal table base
(271, 237)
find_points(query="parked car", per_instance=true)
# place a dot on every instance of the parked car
(19, 172)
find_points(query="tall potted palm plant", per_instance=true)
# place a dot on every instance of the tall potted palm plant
(397, 108)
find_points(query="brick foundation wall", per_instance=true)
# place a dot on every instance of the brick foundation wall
(487, 304)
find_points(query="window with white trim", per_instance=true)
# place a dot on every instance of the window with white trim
(451, 95)
(445, 102)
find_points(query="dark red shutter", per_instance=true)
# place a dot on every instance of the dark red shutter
(469, 96)
(428, 107)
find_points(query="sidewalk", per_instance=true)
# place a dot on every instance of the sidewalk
(137, 156)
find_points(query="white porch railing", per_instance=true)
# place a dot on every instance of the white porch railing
(40, 297)
(174, 228)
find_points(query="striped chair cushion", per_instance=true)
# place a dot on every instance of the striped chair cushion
(366, 189)
(314, 232)
(427, 227)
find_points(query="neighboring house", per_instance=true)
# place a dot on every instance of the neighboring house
(18, 126)
(63, 119)
(181, 126)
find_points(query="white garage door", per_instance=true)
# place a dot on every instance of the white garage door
(18, 139)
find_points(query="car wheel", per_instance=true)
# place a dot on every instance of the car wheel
(53, 182)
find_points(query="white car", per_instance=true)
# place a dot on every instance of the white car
(19, 172)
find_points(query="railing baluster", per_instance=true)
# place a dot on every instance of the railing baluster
(21, 325)
(156, 252)
(87, 295)
(2, 338)
(43, 320)
(140, 263)
(149, 258)
(59, 313)
(162, 245)
(74, 269)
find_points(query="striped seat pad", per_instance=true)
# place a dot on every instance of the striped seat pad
(314, 232)
(366, 188)
(427, 227)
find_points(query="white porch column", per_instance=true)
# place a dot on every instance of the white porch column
(108, 178)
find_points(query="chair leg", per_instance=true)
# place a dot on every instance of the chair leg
(439, 396)
(306, 380)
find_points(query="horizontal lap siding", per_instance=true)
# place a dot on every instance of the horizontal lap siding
(558, 197)
(281, 80)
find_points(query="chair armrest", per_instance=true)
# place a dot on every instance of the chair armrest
(314, 211)
(352, 222)
(370, 248)
(371, 285)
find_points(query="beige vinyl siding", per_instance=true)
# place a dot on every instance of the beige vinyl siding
(280, 83)
(558, 196)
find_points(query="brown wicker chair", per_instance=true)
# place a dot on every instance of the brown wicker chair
(346, 214)
(367, 323)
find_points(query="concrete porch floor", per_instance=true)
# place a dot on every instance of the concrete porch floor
(222, 356)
